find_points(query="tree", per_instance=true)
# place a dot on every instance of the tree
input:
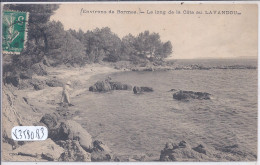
(102, 44)
(37, 43)
(73, 51)
(145, 46)
(91, 41)
(63, 47)
(77, 34)
(128, 49)
(39, 15)
(167, 49)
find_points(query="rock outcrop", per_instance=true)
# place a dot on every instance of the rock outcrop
(75, 140)
(73, 151)
(100, 86)
(77, 132)
(50, 120)
(67, 130)
(183, 152)
(202, 152)
(10, 116)
(105, 86)
(138, 90)
(46, 149)
(100, 152)
(187, 95)
(120, 86)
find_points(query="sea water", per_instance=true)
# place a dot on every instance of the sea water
(141, 124)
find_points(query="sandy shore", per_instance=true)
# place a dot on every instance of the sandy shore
(49, 97)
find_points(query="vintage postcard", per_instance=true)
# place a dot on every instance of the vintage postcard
(129, 82)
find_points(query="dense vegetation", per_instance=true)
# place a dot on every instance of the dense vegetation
(48, 40)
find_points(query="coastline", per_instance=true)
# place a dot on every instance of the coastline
(41, 102)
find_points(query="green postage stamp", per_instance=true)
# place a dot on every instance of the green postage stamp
(14, 31)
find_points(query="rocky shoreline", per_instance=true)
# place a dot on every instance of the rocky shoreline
(192, 67)
(67, 140)
(38, 96)
(34, 101)
(167, 66)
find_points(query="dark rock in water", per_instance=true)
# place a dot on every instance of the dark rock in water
(135, 69)
(105, 86)
(146, 89)
(54, 83)
(186, 95)
(182, 144)
(172, 90)
(183, 152)
(116, 85)
(73, 151)
(229, 148)
(138, 90)
(148, 69)
(127, 87)
(200, 148)
(171, 146)
(100, 152)
(234, 149)
(100, 146)
(116, 159)
(120, 86)
(92, 89)
(100, 86)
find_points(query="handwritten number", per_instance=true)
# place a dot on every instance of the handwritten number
(20, 134)
(37, 133)
(24, 133)
(14, 133)
(28, 133)
(32, 135)
(42, 129)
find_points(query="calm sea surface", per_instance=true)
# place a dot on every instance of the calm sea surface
(141, 124)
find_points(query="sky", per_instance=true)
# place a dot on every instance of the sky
(192, 35)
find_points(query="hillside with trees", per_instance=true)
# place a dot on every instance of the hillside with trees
(48, 41)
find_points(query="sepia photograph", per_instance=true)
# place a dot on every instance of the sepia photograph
(129, 82)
